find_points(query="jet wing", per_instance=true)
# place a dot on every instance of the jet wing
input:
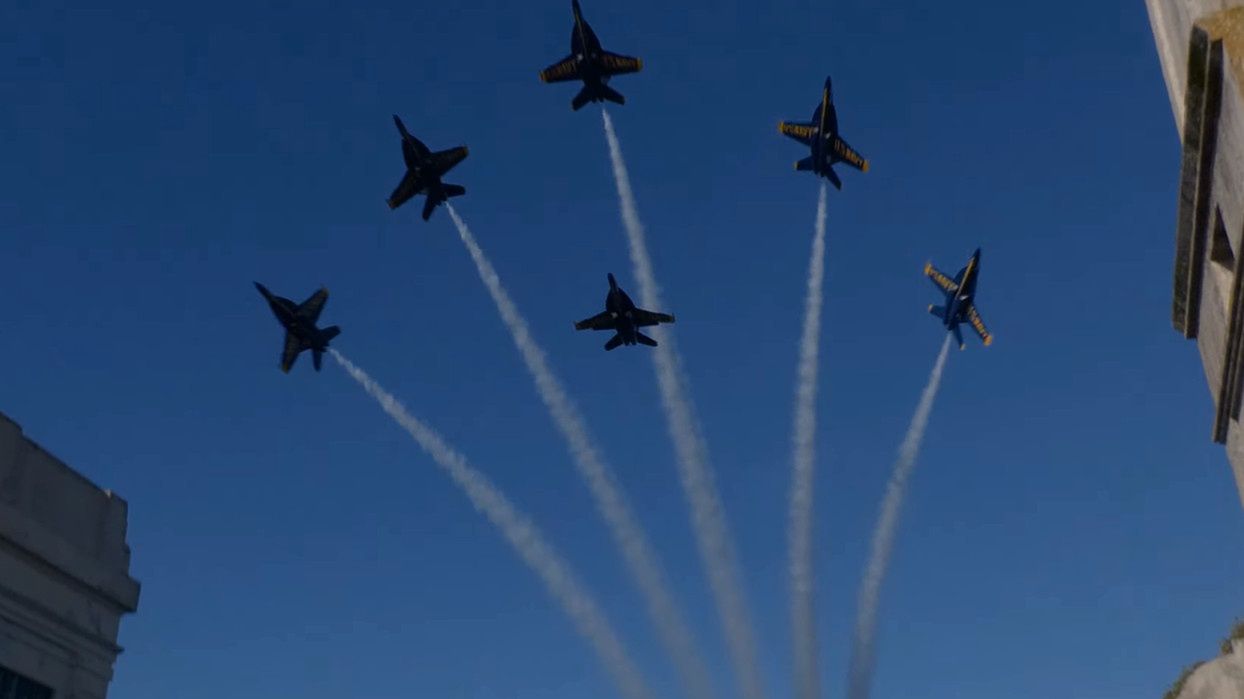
(405, 189)
(802, 132)
(617, 64)
(565, 69)
(310, 309)
(600, 321)
(288, 355)
(942, 281)
(444, 160)
(644, 318)
(848, 155)
(979, 325)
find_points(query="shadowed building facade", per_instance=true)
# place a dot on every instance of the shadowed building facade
(1201, 46)
(64, 576)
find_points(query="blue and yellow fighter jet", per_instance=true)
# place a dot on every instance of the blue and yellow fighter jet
(821, 134)
(424, 169)
(624, 319)
(299, 321)
(591, 64)
(960, 299)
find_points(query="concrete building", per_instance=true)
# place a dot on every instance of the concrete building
(1201, 46)
(64, 576)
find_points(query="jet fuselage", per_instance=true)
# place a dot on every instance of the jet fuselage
(422, 178)
(826, 123)
(586, 47)
(958, 303)
(620, 305)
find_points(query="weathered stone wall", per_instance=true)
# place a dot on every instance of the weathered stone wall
(1201, 46)
(64, 571)
(1172, 22)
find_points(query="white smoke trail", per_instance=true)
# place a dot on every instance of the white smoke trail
(803, 620)
(863, 651)
(708, 516)
(521, 533)
(610, 501)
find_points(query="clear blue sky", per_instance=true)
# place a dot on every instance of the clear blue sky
(1071, 528)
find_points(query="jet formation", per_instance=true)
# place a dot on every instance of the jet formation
(591, 64)
(621, 316)
(960, 299)
(821, 135)
(594, 66)
(424, 170)
(299, 321)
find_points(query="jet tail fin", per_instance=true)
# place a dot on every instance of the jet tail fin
(958, 336)
(809, 165)
(430, 205)
(596, 93)
(584, 96)
(435, 198)
(939, 311)
(613, 342)
(327, 334)
(317, 358)
(611, 94)
(832, 177)
(645, 340)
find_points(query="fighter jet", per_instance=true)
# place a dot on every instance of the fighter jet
(299, 323)
(591, 64)
(624, 318)
(960, 299)
(821, 134)
(424, 170)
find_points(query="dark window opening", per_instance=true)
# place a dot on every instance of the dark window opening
(14, 686)
(1220, 246)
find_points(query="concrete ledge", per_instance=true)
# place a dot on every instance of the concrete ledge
(1201, 110)
(117, 588)
(45, 490)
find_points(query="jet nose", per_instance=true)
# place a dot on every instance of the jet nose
(262, 289)
(613, 283)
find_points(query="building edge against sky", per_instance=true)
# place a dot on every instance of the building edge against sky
(1201, 46)
(64, 575)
